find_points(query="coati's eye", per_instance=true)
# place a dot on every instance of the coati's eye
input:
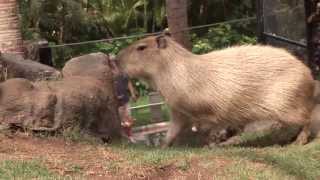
(141, 47)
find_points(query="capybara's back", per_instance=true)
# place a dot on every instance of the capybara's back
(257, 82)
(229, 87)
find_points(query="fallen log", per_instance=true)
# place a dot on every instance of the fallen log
(83, 100)
(14, 66)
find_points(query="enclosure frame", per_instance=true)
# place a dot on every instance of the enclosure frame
(309, 9)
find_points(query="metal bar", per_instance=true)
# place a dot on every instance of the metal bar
(155, 33)
(147, 105)
(283, 39)
(308, 6)
(151, 128)
(260, 21)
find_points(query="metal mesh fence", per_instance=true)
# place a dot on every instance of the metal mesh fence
(285, 19)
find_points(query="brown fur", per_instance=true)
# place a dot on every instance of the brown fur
(229, 87)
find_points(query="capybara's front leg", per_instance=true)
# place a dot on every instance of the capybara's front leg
(177, 123)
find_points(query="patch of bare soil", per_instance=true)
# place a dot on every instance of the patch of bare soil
(60, 156)
(99, 161)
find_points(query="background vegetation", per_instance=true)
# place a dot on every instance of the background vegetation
(68, 21)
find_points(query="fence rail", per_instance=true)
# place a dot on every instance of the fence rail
(147, 105)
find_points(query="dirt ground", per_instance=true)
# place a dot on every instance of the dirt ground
(94, 161)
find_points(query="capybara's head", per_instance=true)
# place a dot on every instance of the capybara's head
(143, 58)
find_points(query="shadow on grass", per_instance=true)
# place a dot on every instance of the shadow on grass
(299, 161)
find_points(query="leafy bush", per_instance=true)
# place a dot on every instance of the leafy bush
(219, 37)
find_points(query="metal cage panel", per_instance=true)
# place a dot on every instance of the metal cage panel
(285, 18)
(284, 24)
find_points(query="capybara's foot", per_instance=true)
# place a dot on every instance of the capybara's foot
(303, 136)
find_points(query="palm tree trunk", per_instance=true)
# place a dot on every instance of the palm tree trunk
(10, 34)
(177, 15)
(145, 18)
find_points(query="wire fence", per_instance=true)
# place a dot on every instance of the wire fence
(152, 34)
(247, 19)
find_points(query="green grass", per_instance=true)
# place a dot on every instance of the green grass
(141, 154)
(24, 170)
(299, 161)
(275, 162)
(289, 162)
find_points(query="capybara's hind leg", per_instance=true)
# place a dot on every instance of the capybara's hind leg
(303, 136)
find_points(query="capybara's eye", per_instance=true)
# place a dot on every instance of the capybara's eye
(141, 47)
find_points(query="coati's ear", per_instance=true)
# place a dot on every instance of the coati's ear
(166, 32)
(142, 46)
(161, 42)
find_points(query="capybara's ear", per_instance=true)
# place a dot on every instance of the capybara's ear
(161, 41)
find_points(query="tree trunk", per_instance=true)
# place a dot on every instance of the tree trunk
(10, 34)
(177, 15)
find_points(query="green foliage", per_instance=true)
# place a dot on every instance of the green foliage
(220, 37)
(65, 21)
(122, 16)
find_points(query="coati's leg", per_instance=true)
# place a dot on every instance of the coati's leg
(233, 141)
(177, 124)
(303, 136)
(299, 119)
(261, 133)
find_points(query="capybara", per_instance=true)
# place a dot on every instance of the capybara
(226, 88)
